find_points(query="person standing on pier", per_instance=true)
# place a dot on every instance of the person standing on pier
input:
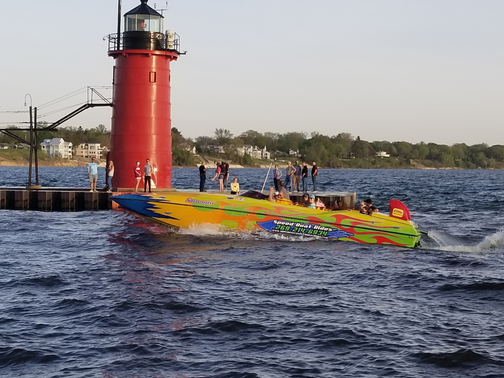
(297, 176)
(289, 174)
(110, 174)
(276, 178)
(314, 174)
(92, 169)
(138, 175)
(220, 176)
(148, 168)
(304, 177)
(225, 172)
(202, 177)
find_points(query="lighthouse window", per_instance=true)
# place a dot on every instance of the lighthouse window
(136, 22)
(152, 77)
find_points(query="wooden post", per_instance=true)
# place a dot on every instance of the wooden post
(31, 149)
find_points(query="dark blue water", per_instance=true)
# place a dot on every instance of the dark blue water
(108, 294)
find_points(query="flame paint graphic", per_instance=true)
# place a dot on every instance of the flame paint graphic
(186, 210)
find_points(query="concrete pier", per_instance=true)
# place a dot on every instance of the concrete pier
(54, 199)
(80, 199)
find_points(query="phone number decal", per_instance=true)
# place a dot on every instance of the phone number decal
(278, 225)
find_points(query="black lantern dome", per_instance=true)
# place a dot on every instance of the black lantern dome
(143, 18)
(143, 28)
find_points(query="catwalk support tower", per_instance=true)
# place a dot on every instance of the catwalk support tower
(141, 116)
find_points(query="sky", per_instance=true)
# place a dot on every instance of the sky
(394, 70)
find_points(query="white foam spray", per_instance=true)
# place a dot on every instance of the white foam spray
(209, 229)
(449, 243)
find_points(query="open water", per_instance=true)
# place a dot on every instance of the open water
(108, 294)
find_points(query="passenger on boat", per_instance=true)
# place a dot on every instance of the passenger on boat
(283, 190)
(361, 206)
(369, 204)
(305, 201)
(278, 197)
(272, 195)
(311, 204)
(371, 210)
(319, 204)
(339, 205)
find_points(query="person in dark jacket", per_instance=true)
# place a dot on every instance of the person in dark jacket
(304, 177)
(202, 177)
(314, 174)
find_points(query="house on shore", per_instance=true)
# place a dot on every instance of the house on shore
(89, 150)
(57, 147)
(253, 151)
(382, 154)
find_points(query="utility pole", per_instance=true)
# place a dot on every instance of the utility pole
(33, 145)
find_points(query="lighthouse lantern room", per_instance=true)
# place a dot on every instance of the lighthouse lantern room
(141, 115)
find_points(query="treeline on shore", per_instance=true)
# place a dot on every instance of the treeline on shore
(337, 151)
(345, 151)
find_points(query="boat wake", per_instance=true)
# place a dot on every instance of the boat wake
(446, 242)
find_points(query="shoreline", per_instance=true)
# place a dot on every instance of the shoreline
(82, 163)
(73, 164)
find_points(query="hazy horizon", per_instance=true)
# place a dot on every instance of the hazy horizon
(383, 70)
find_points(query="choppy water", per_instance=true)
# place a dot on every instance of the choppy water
(108, 294)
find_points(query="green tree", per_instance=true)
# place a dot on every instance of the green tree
(447, 160)
(403, 149)
(254, 138)
(496, 152)
(290, 141)
(102, 129)
(177, 138)
(343, 145)
(419, 151)
(202, 143)
(361, 149)
(182, 158)
(382, 146)
(271, 141)
(223, 137)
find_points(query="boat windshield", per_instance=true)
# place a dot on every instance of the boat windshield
(254, 194)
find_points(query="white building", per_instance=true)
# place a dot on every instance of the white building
(253, 151)
(187, 147)
(216, 148)
(265, 154)
(88, 150)
(57, 147)
(382, 154)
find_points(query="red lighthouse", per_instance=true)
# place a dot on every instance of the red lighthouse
(141, 115)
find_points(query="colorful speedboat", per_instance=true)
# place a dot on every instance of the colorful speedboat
(251, 212)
